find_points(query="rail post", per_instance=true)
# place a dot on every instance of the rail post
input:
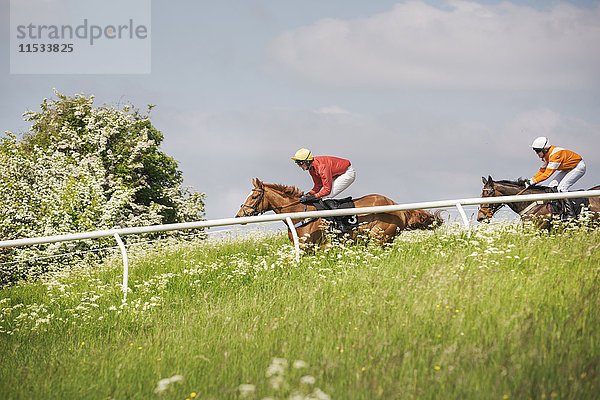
(289, 223)
(463, 215)
(125, 265)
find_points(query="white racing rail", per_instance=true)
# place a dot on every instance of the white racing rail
(287, 217)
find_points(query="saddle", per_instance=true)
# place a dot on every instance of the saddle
(344, 223)
(566, 208)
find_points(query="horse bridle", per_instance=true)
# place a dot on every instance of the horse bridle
(490, 209)
(260, 202)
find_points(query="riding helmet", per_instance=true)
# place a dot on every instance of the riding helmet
(303, 155)
(541, 142)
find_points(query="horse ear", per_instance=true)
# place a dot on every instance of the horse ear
(490, 180)
(483, 180)
(257, 183)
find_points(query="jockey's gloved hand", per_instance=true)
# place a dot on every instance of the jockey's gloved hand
(524, 181)
(307, 198)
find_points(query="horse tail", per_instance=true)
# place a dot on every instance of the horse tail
(439, 221)
(421, 219)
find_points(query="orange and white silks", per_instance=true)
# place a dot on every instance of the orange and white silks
(556, 159)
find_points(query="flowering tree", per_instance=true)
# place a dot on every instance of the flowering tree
(82, 168)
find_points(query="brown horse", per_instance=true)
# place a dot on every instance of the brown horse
(381, 227)
(538, 212)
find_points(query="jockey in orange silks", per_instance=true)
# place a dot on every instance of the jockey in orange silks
(566, 166)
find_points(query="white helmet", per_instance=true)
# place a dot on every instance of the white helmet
(541, 143)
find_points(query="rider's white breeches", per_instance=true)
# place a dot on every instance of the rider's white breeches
(566, 178)
(342, 182)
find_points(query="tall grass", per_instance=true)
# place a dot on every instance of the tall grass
(502, 312)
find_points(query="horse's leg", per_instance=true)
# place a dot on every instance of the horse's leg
(595, 208)
(382, 233)
(543, 223)
(310, 236)
(352, 236)
(539, 221)
(390, 233)
(383, 227)
(540, 217)
(391, 225)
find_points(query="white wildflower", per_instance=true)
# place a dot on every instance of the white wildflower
(163, 384)
(276, 382)
(277, 367)
(299, 364)
(246, 389)
(318, 394)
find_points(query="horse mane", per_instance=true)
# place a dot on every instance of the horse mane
(521, 184)
(510, 182)
(289, 191)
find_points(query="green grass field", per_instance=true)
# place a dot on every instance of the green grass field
(502, 312)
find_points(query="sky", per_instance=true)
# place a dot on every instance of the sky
(423, 97)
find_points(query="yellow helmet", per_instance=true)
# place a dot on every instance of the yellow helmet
(303, 155)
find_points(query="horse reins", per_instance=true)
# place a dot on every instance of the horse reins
(289, 205)
(526, 187)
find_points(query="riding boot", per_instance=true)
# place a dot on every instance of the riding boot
(569, 209)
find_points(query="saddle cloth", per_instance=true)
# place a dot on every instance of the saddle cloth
(345, 223)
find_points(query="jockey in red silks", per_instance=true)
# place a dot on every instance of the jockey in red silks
(331, 175)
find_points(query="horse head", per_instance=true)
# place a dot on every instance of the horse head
(487, 211)
(269, 197)
(255, 202)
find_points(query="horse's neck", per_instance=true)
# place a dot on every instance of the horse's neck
(511, 191)
(279, 203)
(502, 190)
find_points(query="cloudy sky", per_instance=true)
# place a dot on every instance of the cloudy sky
(424, 97)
